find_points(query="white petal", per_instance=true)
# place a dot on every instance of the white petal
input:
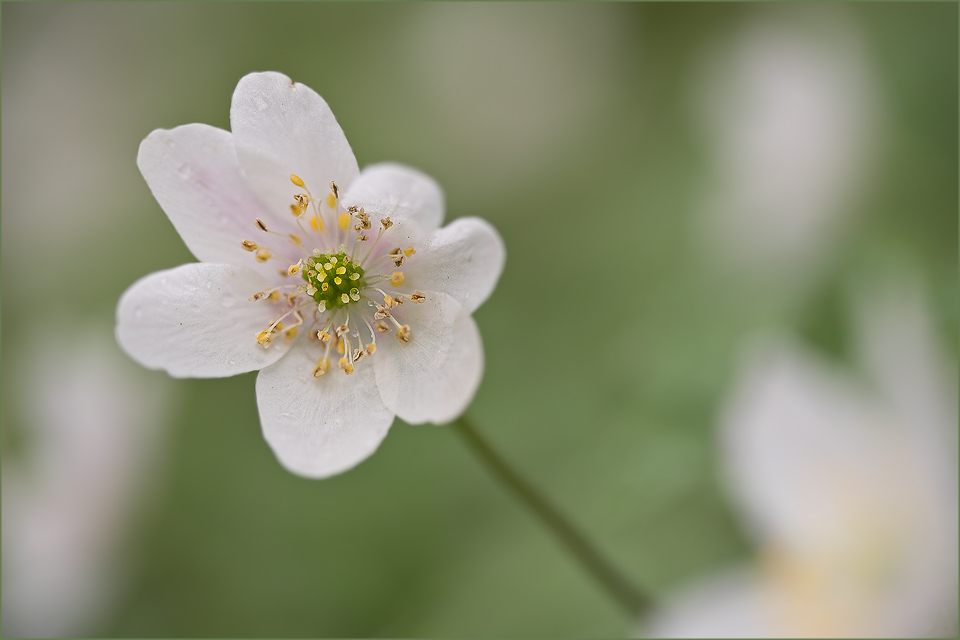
(281, 128)
(732, 604)
(464, 259)
(194, 174)
(197, 321)
(434, 377)
(413, 200)
(318, 427)
(807, 450)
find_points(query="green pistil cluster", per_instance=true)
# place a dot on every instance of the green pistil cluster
(333, 279)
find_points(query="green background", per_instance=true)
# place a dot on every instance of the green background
(610, 341)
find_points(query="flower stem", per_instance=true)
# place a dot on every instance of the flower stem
(631, 599)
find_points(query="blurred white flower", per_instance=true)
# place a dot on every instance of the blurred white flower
(318, 282)
(850, 492)
(91, 429)
(790, 112)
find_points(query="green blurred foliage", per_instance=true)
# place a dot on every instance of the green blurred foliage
(609, 343)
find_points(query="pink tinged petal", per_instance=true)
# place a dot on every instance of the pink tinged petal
(434, 377)
(412, 200)
(194, 174)
(319, 427)
(196, 321)
(282, 128)
(464, 259)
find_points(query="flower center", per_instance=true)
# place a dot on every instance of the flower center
(333, 279)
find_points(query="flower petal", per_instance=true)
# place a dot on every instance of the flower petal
(736, 603)
(282, 127)
(413, 200)
(320, 427)
(196, 321)
(808, 451)
(435, 376)
(464, 259)
(194, 174)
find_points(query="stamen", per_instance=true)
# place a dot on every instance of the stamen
(386, 222)
(409, 251)
(263, 255)
(249, 245)
(417, 297)
(295, 179)
(397, 278)
(403, 334)
(323, 364)
(262, 226)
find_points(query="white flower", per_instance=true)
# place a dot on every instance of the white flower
(850, 492)
(336, 283)
(92, 438)
(790, 108)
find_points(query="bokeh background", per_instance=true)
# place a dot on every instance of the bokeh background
(669, 179)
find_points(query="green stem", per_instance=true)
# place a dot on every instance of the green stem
(615, 583)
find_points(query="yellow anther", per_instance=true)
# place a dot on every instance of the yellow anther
(274, 296)
(295, 179)
(264, 338)
(292, 332)
(371, 348)
(249, 245)
(316, 224)
(417, 297)
(386, 222)
(257, 296)
(382, 327)
(344, 221)
(340, 347)
(346, 366)
(409, 251)
(295, 210)
(323, 364)
(293, 269)
(388, 301)
(323, 337)
(263, 255)
(403, 333)
(301, 200)
(344, 296)
(334, 189)
(260, 224)
(296, 239)
(397, 278)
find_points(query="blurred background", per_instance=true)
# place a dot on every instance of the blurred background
(723, 171)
